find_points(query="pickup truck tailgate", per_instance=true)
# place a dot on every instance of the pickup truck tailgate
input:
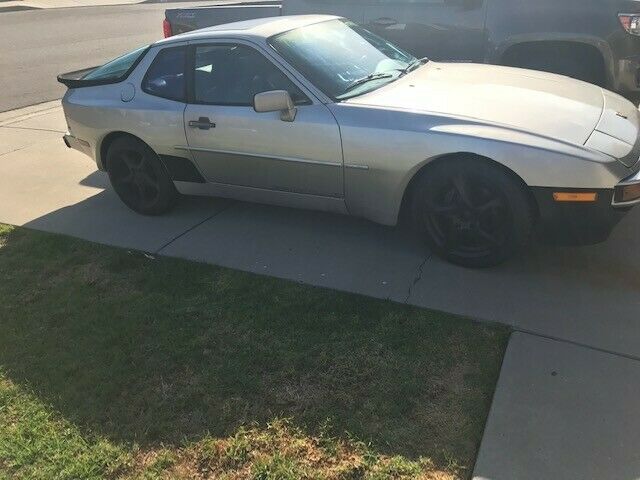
(187, 19)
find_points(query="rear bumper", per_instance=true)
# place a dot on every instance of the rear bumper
(77, 144)
(578, 223)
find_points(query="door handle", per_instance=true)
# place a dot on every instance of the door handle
(203, 123)
(384, 22)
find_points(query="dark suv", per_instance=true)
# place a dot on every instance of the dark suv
(593, 40)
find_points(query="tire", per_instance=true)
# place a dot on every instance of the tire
(471, 213)
(139, 178)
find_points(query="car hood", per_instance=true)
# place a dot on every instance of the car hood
(546, 104)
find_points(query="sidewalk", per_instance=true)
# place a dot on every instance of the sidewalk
(562, 412)
(542, 425)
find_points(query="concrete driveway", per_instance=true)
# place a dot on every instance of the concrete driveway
(571, 373)
(584, 295)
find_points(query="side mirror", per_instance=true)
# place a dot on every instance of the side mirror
(274, 101)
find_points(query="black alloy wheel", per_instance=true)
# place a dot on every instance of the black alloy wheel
(139, 178)
(472, 213)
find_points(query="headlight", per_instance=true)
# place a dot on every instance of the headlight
(630, 22)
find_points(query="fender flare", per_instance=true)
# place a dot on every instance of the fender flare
(496, 54)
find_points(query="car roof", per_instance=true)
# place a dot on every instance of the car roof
(259, 28)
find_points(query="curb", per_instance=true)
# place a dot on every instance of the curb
(24, 113)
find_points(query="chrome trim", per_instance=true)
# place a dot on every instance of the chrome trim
(356, 167)
(259, 155)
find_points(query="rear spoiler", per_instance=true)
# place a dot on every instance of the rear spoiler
(77, 79)
(74, 79)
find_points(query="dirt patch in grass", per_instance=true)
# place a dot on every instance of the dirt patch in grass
(114, 365)
(280, 450)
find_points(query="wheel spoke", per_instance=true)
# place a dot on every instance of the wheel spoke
(141, 192)
(462, 188)
(452, 235)
(146, 180)
(127, 179)
(490, 205)
(133, 160)
(435, 209)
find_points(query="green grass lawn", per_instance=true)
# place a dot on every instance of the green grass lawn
(114, 365)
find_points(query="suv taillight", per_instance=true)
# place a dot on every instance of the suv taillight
(166, 28)
(630, 22)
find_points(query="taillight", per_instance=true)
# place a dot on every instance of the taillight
(630, 22)
(166, 28)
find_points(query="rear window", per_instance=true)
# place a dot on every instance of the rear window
(117, 69)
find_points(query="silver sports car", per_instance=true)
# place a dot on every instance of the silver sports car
(317, 112)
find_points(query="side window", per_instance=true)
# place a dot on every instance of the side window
(234, 74)
(166, 75)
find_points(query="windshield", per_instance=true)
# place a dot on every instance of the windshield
(117, 68)
(342, 58)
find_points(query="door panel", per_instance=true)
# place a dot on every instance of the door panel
(438, 29)
(235, 145)
(260, 150)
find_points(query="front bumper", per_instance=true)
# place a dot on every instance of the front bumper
(578, 223)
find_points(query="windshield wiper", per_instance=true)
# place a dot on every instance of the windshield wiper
(368, 78)
(413, 65)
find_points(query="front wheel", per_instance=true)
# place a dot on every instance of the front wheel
(139, 178)
(471, 213)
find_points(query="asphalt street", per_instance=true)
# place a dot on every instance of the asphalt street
(37, 45)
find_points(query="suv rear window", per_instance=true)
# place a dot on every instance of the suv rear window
(117, 69)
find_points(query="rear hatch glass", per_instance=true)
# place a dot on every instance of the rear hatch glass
(111, 72)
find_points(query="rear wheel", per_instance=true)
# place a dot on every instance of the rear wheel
(139, 178)
(471, 213)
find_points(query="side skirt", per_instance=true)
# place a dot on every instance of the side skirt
(258, 195)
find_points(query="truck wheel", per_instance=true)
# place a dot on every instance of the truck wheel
(139, 178)
(471, 213)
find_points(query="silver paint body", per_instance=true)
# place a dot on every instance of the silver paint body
(358, 156)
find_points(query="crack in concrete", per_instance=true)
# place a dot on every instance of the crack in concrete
(192, 228)
(555, 338)
(417, 278)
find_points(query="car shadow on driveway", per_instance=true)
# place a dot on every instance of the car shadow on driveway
(586, 295)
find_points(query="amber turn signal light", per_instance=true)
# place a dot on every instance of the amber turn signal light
(575, 196)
